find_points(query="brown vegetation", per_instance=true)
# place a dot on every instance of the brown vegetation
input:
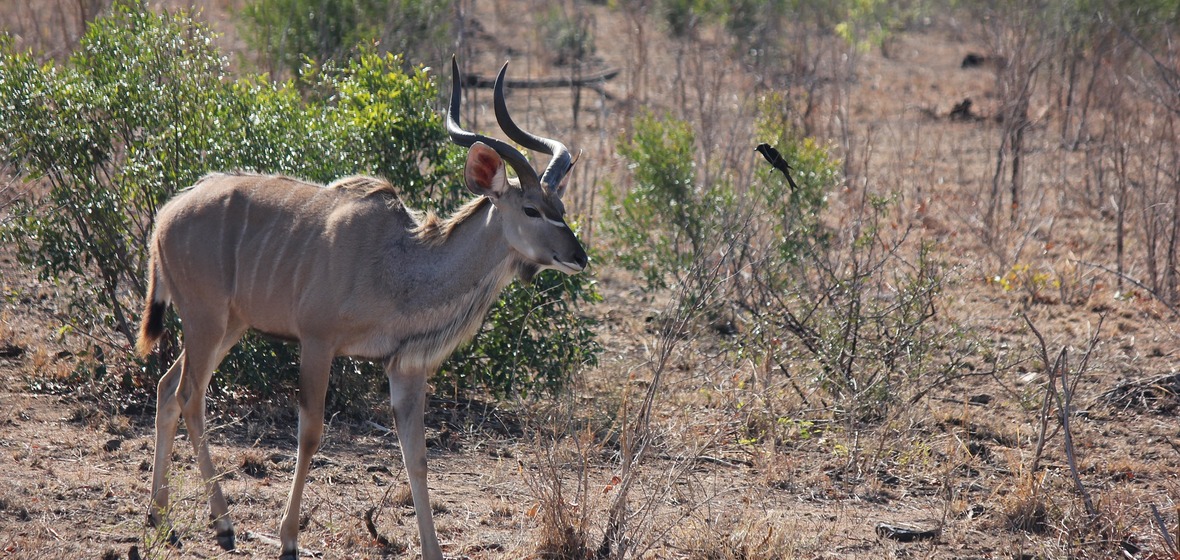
(1052, 216)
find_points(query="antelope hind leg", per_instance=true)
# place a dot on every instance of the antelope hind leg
(194, 418)
(167, 418)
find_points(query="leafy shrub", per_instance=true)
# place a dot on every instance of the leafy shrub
(539, 338)
(285, 33)
(850, 307)
(793, 213)
(567, 39)
(147, 107)
(112, 134)
(683, 17)
(666, 219)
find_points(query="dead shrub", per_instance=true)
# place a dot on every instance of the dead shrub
(1025, 507)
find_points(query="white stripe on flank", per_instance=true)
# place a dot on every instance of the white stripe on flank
(277, 256)
(262, 246)
(237, 261)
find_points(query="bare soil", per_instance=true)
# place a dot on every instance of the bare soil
(75, 466)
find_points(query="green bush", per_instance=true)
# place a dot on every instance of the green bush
(539, 339)
(793, 213)
(147, 106)
(112, 133)
(666, 219)
(566, 38)
(285, 33)
(849, 308)
(683, 17)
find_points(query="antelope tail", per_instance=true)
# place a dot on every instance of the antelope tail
(151, 326)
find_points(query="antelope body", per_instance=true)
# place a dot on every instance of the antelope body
(345, 270)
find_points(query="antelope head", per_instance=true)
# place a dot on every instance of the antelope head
(532, 214)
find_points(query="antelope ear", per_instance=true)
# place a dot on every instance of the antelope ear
(484, 172)
(561, 186)
(559, 190)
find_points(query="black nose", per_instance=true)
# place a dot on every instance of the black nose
(581, 259)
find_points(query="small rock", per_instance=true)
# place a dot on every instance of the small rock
(973, 60)
(980, 399)
(905, 533)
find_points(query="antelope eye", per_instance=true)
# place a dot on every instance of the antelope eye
(531, 212)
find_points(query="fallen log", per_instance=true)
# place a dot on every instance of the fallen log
(589, 80)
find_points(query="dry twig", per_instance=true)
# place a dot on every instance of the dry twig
(1064, 400)
(1163, 529)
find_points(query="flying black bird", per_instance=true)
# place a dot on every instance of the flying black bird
(776, 159)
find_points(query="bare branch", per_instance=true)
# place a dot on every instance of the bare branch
(1064, 399)
(1163, 529)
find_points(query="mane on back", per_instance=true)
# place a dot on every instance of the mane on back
(367, 186)
(431, 229)
(434, 230)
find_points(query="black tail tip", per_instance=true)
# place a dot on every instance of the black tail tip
(152, 327)
(155, 320)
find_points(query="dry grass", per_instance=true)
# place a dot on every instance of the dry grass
(747, 535)
(745, 460)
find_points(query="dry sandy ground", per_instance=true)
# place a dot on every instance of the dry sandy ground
(75, 467)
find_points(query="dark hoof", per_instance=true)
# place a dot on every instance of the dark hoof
(289, 555)
(226, 539)
(173, 538)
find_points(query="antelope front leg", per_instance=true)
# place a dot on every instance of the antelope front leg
(407, 393)
(314, 366)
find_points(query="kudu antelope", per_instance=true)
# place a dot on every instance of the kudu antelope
(345, 270)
